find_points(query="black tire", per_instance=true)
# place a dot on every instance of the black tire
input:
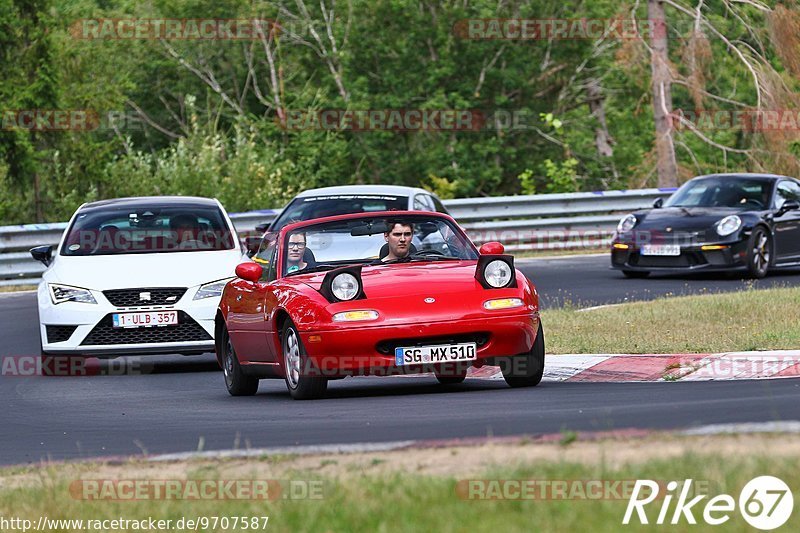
(301, 381)
(636, 274)
(526, 370)
(759, 253)
(236, 381)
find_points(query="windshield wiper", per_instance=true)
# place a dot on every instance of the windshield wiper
(319, 267)
(421, 256)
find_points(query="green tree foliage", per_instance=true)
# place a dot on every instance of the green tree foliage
(206, 117)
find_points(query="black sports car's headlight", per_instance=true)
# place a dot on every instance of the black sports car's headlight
(345, 286)
(728, 225)
(626, 224)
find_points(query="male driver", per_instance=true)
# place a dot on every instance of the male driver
(399, 239)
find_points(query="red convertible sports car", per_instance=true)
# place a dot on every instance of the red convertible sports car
(381, 293)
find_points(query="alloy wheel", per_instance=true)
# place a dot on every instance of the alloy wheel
(291, 358)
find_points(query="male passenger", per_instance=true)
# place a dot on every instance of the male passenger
(297, 248)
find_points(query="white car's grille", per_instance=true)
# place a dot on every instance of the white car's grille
(144, 297)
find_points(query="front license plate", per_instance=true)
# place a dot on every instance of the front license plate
(416, 355)
(141, 320)
(661, 249)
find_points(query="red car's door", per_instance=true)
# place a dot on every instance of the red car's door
(247, 314)
(246, 319)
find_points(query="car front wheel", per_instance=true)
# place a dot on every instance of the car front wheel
(236, 381)
(759, 253)
(298, 370)
(526, 370)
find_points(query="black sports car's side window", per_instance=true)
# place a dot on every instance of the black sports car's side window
(787, 190)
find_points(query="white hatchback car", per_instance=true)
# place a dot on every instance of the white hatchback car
(137, 276)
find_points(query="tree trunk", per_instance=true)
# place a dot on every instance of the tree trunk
(662, 95)
(602, 138)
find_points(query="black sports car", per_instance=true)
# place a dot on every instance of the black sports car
(748, 222)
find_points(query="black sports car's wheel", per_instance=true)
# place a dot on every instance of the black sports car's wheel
(297, 367)
(759, 253)
(526, 370)
(236, 381)
(636, 274)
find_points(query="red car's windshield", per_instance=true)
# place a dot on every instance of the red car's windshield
(383, 240)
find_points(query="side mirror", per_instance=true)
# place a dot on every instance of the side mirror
(43, 254)
(658, 203)
(789, 205)
(249, 271)
(492, 248)
(263, 227)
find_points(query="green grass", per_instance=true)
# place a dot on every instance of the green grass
(741, 321)
(408, 502)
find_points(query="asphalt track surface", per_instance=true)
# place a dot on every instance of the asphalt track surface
(175, 403)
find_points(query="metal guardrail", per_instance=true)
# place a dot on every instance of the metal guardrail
(537, 222)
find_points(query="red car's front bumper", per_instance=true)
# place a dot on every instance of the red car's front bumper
(365, 350)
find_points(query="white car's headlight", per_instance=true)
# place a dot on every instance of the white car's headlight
(64, 293)
(344, 286)
(497, 274)
(626, 224)
(211, 290)
(728, 225)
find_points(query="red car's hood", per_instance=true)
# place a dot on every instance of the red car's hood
(410, 293)
(410, 279)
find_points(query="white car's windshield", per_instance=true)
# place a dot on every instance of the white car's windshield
(384, 240)
(302, 209)
(130, 230)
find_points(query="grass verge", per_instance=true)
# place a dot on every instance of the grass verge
(741, 321)
(380, 492)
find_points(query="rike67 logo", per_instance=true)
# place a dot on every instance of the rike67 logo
(765, 503)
